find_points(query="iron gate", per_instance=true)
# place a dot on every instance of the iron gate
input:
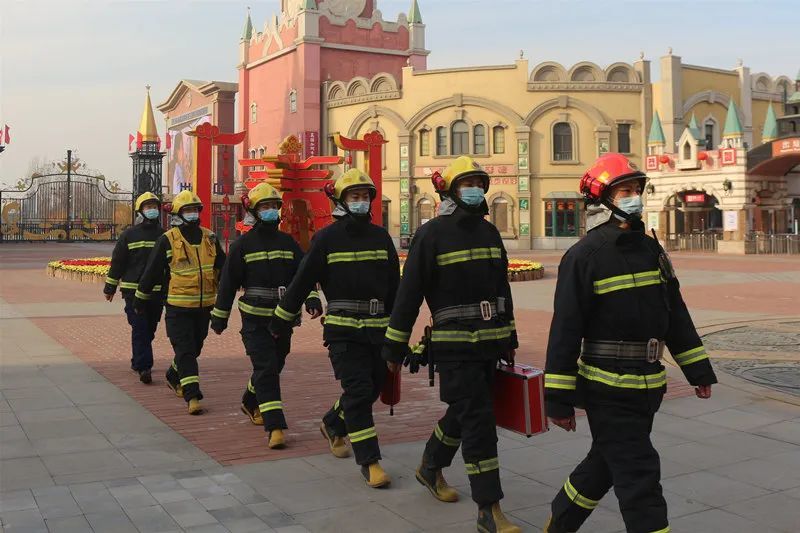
(64, 207)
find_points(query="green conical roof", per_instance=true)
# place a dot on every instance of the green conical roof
(414, 14)
(733, 128)
(770, 130)
(310, 4)
(693, 128)
(656, 131)
(247, 32)
(795, 98)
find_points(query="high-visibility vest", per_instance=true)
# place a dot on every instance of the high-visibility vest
(193, 282)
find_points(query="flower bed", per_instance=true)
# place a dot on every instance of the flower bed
(518, 269)
(90, 270)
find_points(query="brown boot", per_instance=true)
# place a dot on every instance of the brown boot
(492, 520)
(435, 482)
(276, 439)
(194, 407)
(254, 416)
(375, 476)
(337, 444)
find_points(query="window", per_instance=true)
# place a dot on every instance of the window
(253, 113)
(624, 138)
(499, 139)
(709, 136)
(261, 151)
(687, 150)
(385, 214)
(441, 140)
(562, 142)
(293, 101)
(499, 214)
(252, 154)
(459, 133)
(424, 142)
(424, 211)
(561, 218)
(479, 139)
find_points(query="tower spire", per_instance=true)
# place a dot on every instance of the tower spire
(147, 126)
(247, 32)
(733, 127)
(656, 136)
(414, 14)
(770, 131)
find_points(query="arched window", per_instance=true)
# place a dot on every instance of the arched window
(253, 113)
(424, 211)
(479, 139)
(424, 142)
(499, 139)
(441, 140)
(459, 134)
(562, 142)
(499, 214)
(687, 150)
(262, 151)
(709, 131)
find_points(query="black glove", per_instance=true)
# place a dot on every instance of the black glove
(508, 358)
(279, 327)
(416, 357)
(139, 306)
(313, 304)
(218, 324)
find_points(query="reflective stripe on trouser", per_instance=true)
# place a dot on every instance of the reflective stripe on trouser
(466, 386)
(268, 359)
(187, 330)
(143, 331)
(621, 451)
(361, 373)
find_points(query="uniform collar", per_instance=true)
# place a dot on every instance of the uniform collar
(620, 236)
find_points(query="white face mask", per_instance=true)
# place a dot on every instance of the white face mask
(630, 204)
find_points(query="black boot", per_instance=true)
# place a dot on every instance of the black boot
(434, 481)
(145, 377)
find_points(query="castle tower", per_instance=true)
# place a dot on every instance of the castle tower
(656, 140)
(770, 131)
(733, 135)
(147, 158)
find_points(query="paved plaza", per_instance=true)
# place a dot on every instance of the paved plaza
(85, 447)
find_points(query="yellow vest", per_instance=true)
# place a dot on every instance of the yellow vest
(193, 282)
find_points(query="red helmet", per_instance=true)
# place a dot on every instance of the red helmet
(609, 169)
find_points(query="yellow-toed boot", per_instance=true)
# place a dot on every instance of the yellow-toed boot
(276, 439)
(337, 444)
(435, 482)
(254, 416)
(194, 407)
(375, 475)
(492, 520)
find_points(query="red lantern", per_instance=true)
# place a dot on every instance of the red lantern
(664, 159)
(702, 156)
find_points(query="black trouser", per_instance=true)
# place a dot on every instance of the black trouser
(466, 387)
(143, 331)
(187, 329)
(361, 372)
(263, 392)
(621, 456)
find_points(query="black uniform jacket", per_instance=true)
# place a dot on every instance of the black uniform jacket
(263, 257)
(454, 260)
(158, 263)
(351, 260)
(130, 257)
(610, 288)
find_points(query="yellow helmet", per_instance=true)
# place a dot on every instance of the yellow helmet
(145, 197)
(350, 179)
(262, 192)
(185, 199)
(462, 167)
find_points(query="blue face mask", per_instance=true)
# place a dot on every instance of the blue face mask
(358, 208)
(191, 217)
(150, 214)
(631, 205)
(268, 215)
(472, 195)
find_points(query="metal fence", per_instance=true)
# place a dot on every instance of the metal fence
(692, 242)
(782, 243)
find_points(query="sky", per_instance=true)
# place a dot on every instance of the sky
(73, 73)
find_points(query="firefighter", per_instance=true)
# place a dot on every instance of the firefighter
(127, 264)
(190, 257)
(458, 264)
(617, 305)
(356, 264)
(263, 261)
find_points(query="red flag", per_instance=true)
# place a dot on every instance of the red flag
(169, 140)
(138, 140)
(8, 138)
(130, 141)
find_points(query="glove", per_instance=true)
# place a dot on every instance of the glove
(139, 306)
(416, 357)
(218, 325)
(508, 358)
(279, 328)
(314, 307)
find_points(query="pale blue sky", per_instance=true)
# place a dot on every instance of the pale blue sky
(73, 72)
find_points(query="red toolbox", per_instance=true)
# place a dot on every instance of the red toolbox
(519, 399)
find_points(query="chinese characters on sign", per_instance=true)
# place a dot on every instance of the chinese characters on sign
(311, 143)
(651, 162)
(786, 146)
(728, 156)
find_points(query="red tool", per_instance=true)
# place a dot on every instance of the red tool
(519, 399)
(390, 395)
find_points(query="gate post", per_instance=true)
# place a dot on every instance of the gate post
(69, 195)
